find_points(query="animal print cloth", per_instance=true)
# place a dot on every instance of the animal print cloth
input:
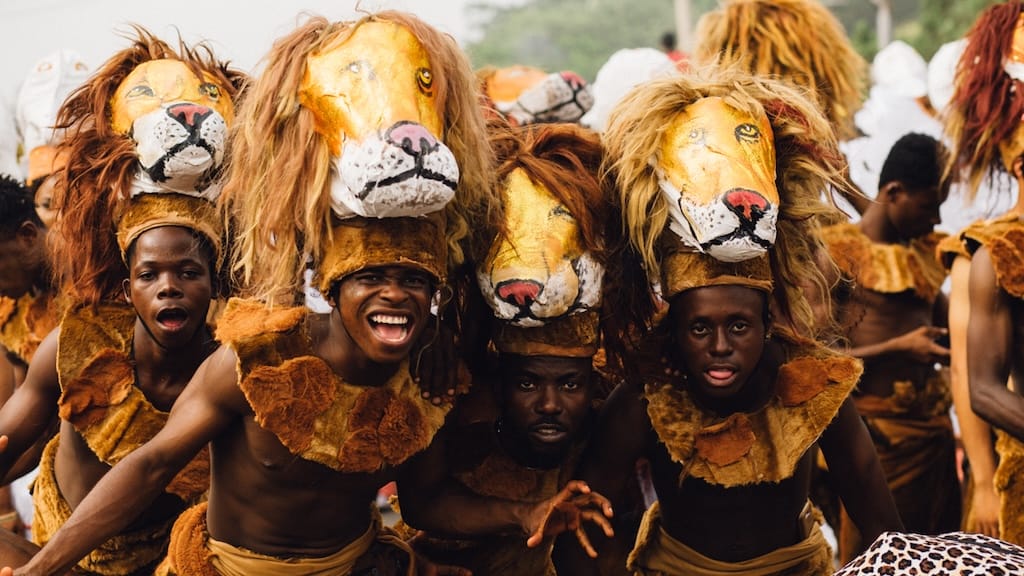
(956, 553)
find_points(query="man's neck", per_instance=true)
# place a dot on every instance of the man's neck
(877, 227)
(152, 358)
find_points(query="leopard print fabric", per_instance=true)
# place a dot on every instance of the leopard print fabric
(956, 553)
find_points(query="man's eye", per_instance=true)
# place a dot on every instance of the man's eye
(699, 330)
(416, 281)
(740, 327)
(145, 276)
(571, 385)
(526, 385)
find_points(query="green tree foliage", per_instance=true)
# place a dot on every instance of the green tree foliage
(580, 35)
(576, 35)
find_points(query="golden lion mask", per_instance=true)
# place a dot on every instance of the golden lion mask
(539, 270)
(179, 124)
(716, 168)
(373, 98)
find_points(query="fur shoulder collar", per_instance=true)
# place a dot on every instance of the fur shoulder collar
(26, 321)
(764, 446)
(99, 395)
(1004, 238)
(887, 268)
(312, 411)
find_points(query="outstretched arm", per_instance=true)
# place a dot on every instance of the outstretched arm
(209, 403)
(26, 416)
(428, 493)
(990, 349)
(975, 433)
(621, 436)
(853, 462)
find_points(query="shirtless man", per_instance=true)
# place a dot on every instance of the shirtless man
(112, 371)
(525, 449)
(725, 401)
(308, 415)
(987, 138)
(27, 308)
(892, 317)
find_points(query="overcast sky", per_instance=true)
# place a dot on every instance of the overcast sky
(239, 30)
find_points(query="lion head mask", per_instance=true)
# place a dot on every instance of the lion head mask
(355, 129)
(547, 261)
(526, 95)
(151, 120)
(729, 168)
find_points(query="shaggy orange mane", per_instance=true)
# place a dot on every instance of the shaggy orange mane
(565, 159)
(987, 104)
(101, 165)
(278, 185)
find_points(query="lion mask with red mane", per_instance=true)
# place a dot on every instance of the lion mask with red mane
(150, 120)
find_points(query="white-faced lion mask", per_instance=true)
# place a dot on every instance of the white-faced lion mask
(716, 169)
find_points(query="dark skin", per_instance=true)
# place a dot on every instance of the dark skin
(544, 406)
(262, 497)
(995, 347)
(895, 334)
(995, 339)
(168, 268)
(23, 270)
(719, 332)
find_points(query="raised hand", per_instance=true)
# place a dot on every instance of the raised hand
(919, 344)
(567, 511)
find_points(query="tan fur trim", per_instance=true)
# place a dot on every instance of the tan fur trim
(1008, 485)
(802, 379)
(887, 268)
(358, 243)
(949, 248)
(782, 433)
(683, 269)
(7, 307)
(249, 318)
(147, 211)
(134, 552)
(100, 398)
(726, 442)
(322, 418)
(187, 553)
(933, 400)
(1007, 252)
(25, 322)
(575, 335)
(104, 382)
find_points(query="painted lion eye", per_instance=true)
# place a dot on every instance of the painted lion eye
(562, 212)
(211, 91)
(138, 91)
(747, 133)
(425, 78)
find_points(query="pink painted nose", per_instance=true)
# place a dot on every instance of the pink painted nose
(519, 292)
(188, 114)
(411, 137)
(747, 204)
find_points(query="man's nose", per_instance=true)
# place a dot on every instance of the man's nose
(548, 402)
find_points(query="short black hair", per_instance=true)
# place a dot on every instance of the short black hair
(917, 161)
(668, 40)
(204, 244)
(16, 206)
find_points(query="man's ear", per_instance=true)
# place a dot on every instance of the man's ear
(127, 290)
(1018, 168)
(889, 192)
(28, 232)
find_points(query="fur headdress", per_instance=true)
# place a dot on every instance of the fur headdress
(987, 107)
(103, 167)
(798, 41)
(543, 273)
(807, 164)
(286, 168)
